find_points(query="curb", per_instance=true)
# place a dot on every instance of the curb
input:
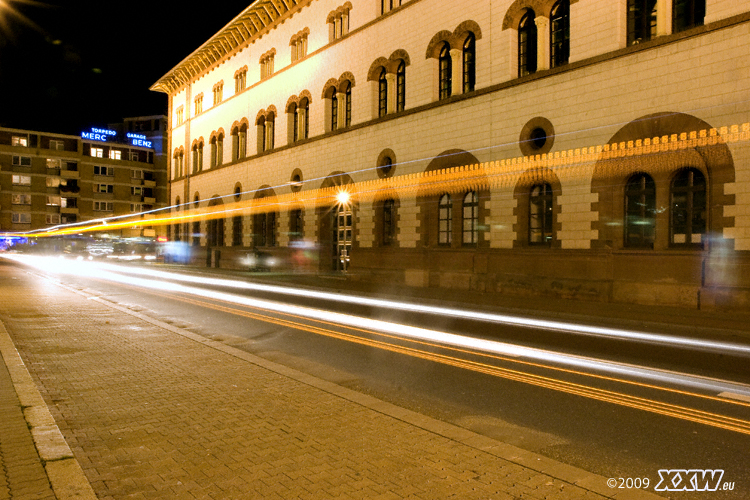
(63, 470)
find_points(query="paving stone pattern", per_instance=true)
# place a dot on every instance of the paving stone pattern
(22, 475)
(151, 414)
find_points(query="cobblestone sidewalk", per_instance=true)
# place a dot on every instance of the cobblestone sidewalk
(149, 412)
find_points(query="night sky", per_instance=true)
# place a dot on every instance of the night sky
(89, 63)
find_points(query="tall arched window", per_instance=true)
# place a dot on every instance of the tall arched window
(445, 220)
(235, 144)
(196, 224)
(334, 111)
(213, 152)
(641, 20)
(469, 54)
(296, 225)
(219, 149)
(303, 111)
(382, 93)
(540, 214)
(177, 227)
(446, 70)
(270, 131)
(195, 158)
(401, 87)
(243, 141)
(527, 41)
(470, 216)
(688, 208)
(348, 105)
(560, 34)
(389, 221)
(640, 211)
(261, 123)
(687, 14)
(294, 111)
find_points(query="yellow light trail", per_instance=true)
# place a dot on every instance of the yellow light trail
(575, 163)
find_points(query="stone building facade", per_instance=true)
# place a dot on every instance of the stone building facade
(611, 137)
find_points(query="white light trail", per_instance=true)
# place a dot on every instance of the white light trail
(104, 272)
(504, 319)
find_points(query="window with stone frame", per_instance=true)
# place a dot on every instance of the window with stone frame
(641, 21)
(527, 44)
(445, 220)
(541, 214)
(560, 33)
(687, 14)
(445, 69)
(688, 209)
(469, 63)
(640, 211)
(470, 219)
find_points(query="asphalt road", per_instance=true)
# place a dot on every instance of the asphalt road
(619, 407)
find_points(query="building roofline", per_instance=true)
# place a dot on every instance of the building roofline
(250, 24)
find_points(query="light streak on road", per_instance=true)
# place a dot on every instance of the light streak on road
(503, 319)
(105, 272)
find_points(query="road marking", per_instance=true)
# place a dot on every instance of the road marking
(731, 395)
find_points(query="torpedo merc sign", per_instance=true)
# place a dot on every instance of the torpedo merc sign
(106, 135)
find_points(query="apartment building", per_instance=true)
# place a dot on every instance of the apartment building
(49, 179)
(595, 149)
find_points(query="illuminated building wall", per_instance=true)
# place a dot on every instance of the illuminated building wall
(49, 179)
(435, 85)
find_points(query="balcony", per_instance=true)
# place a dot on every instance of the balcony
(149, 183)
(69, 174)
(148, 199)
(69, 210)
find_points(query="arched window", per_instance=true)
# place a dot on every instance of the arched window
(177, 234)
(469, 54)
(560, 34)
(265, 229)
(213, 152)
(269, 131)
(219, 149)
(470, 216)
(196, 224)
(688, 208)
(237, 221)
(640, 211)
(382, 94)
(445, 220)
(527, 41)
(195, 158)
(348, 105)
(242, 142)
(641, 20)
(446, 70)
(687, 14)
(401, 87)
(294, 111)
(296, 226)
(334, 111)
(389, 222)
(235, 144)
(261, 123)
(540, 214)
(303, 115)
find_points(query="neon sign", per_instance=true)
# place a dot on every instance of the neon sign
(98, 134)
(139, 140)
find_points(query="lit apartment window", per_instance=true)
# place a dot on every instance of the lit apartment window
(104, 170)
(21, 199)
(21, 180)
(57, 145)
(54, 201)
(136, 174)
(20, 140)
(24, 218)
(53, 218)
(136, 207)
(104, 188)
(103, 206)
(179, 116)
(136, 191)
(218, 93)
(97, 152)
(115, 154)
(22, 161)
(53, 182)
(198, 104)
(53, 164)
